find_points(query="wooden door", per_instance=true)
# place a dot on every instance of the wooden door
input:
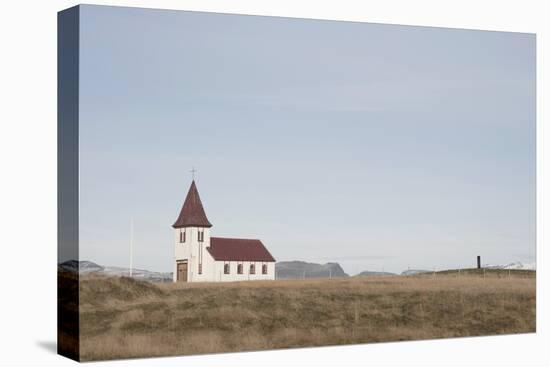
(182, 272)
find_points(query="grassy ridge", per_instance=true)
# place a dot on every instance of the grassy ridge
(121, 317)
(493, 273)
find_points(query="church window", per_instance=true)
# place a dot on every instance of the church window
(264, 268)
(226, 268)
(200, 236)
(252, 269)
(239, 268)
(182, 236)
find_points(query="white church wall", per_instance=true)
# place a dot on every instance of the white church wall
(271, 270)
(207, 274)
(233, 275)
(191, 251)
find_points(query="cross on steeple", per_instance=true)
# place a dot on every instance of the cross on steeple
(193, 170)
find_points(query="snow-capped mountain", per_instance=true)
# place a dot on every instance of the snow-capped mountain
(87, 267)
(369, 273)
(82, 267)
(415, 271)
(518, 265)
(152, 276)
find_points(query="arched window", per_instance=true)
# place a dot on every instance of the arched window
(264, 269)
(239, 268)
(226, 268)
(252, 269)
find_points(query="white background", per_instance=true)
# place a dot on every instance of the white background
(28, 182)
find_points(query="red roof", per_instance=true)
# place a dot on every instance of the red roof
(192, 213)
(237, 249)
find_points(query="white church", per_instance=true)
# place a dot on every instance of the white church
(201, 258)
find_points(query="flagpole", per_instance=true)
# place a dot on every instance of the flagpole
(131, 245)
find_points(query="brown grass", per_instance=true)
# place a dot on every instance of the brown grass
(123, 318)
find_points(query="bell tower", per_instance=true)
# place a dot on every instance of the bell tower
(191, 238)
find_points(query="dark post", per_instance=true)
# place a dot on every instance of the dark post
(479, 262)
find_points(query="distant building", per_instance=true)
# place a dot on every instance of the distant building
(201, 258)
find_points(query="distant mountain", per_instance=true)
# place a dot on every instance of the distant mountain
(415, 271)
(86, 267)
(81, 267)
(152, 276)
(368, 273)
(518, 265)
(302, 269)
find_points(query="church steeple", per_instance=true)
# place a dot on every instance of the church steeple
(192, 213)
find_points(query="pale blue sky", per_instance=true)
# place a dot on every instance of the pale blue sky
(372, 145)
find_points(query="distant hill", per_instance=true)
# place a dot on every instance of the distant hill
(284, 270)
(415, 271)
(368, 273)
(517, 265)
(86, 267)
(302, 269)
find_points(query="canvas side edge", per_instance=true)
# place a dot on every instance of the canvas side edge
(68, 323)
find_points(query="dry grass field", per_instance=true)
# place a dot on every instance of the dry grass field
(123, 318)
